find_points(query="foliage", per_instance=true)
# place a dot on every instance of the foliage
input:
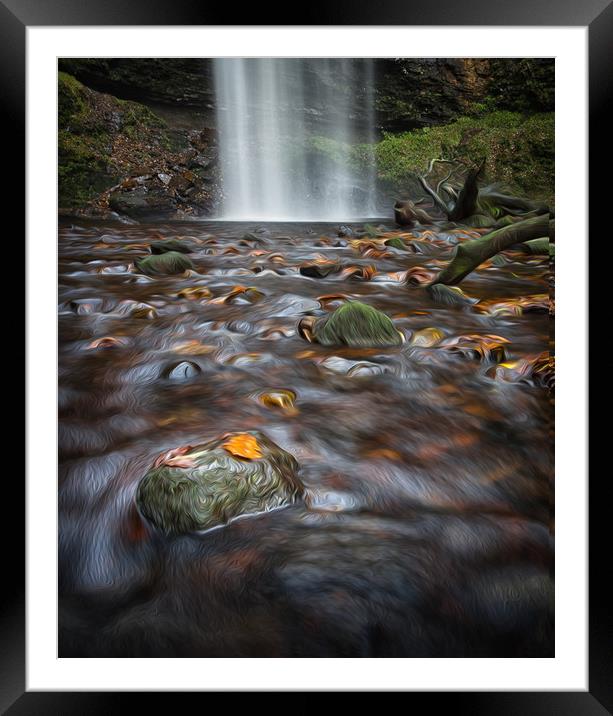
(519, 151)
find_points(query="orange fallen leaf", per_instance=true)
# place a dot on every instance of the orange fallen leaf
(243, 445)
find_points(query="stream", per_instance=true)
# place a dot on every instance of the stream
(427, 525)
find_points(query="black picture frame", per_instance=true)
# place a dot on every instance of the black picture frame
(17, 15)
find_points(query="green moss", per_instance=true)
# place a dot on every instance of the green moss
(357, 325)
(71, 102)
(137, 115)
(82, 171)
(519, 151)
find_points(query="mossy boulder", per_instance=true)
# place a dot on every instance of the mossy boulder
(356, 325)
(396, 243)
(167, 245)
(449, 295)
(166, 264)
(196, 488)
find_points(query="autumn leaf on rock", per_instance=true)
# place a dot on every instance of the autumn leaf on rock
(243, 445)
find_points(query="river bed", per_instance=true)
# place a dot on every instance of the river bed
(426, 529)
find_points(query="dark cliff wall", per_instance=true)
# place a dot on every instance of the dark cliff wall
(410, 93)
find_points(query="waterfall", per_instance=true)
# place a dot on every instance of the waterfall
(294, 138)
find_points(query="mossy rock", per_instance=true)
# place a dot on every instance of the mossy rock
(167, 245)
(450, 295)
(356, 325)
(371, 231)
(208, 485)
(164, 264)
(396, 243)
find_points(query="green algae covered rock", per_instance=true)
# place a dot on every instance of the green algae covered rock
(356, 325)
(167, 264)
(449, 295)
(203, 486)
(396, 243)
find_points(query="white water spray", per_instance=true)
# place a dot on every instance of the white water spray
(288, 130)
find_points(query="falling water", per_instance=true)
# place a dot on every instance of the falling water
(288, 132)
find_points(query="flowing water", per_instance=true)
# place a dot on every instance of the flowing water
(286, 130)
(426, 529)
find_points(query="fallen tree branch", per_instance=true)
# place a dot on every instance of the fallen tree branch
(471, 254)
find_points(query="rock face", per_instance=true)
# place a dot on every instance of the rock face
(412, 92)
(196, 488)
(122, 156)
(186, 82)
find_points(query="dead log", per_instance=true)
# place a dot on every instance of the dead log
(471, 254)
(406, 213)
(466, 205)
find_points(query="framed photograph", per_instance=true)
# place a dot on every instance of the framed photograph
(306, 377)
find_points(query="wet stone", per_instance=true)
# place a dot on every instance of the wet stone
(319, 270)
(352, 368)
(185, 370)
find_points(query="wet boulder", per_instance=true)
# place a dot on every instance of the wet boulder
(143, 202)
(353, 324)
(203, 486)
(320, 269)
(352, 368)
(345, 231)
(165, 245)
(167, 264)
